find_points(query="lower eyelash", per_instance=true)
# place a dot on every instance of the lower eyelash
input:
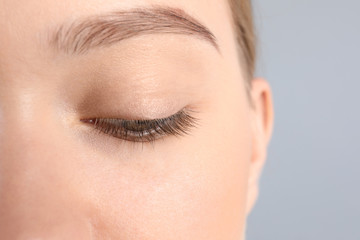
(145, 130)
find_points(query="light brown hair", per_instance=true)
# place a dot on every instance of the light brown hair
(245, 35)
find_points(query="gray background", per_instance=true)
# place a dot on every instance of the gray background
(309, 52)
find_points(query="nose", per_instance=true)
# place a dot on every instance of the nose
(39, 197)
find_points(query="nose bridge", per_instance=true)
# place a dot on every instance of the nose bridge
(27, 156)
(37, 199)
(24, 125)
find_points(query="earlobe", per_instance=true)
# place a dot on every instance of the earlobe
(262, 126)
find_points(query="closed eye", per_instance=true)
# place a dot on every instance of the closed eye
(145, 130)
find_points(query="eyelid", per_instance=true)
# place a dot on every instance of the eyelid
(146, 130)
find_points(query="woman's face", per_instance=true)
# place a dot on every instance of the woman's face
(65, 64)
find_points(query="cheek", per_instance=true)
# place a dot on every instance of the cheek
(192, 187)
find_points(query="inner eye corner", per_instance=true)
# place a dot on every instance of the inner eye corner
(88, 120)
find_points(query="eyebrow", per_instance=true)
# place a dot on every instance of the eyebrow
(80, 36)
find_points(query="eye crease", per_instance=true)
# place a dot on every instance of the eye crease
(145, 130)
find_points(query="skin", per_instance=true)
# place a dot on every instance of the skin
(61, 180)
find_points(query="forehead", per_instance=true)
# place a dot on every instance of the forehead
(24, 22)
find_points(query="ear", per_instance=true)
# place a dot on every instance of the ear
(262, 126)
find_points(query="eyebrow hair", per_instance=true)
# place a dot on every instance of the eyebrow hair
(92, 32)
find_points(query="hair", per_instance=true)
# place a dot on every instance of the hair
(245, 35)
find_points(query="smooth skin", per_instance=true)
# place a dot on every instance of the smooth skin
(59, 179)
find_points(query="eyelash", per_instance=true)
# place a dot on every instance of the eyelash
(145, 130)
